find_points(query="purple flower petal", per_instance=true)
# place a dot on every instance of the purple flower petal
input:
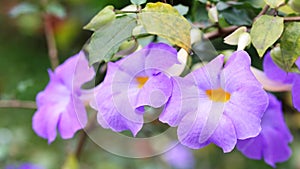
(211, 123)
(296, 92)
(298, 62)
(118, 118)
(273, 117)
(274, 72)
(236, 73)
(29, 166)
(155, 92)
(183, 100)
(275, 151)
(247, 101)
(185, 94)
(113, 105)
(152, 59)
(180, 157)
(227, 104)
(101, 121)
(273, 128)
(55, 90)
(189, 130)
(51, 102)
(225, 136)
(252, 147)
(208, 76)
(44, 123)
(268, 84)
(59, 105)
(133, 82)
(197, 131)
(24, 166)
(245, 109)
(73, 119)
(75, 71)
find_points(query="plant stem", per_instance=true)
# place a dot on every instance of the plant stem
(262, 12)
(292, 19)
(83, 135)
(81, 142)
(17, 104)
(220, 32)
(52, 50)
(124, 12)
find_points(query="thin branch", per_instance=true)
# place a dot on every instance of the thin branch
(262, 12)
(124, 12)
(220, 32)
(292, 19)
(81, 143)
(52, 50)
(17, 104)
(83, 135)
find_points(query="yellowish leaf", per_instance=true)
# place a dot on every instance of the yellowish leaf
(165, 21)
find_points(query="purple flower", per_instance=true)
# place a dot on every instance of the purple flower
(217, 104)
(180, 157)
(24, 166)
(275, 73)
(296, 89)
(60, 105)
(272, 143)
(133, 82)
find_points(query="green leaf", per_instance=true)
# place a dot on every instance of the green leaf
(213, 14)
(239, 37)
(290, 46)
(106, 41)
(204, 50)
(56, 9)
(244, 41)
(286, 9)
(165, 21)
(183, 10)
(104, 17)
(138, 2)
(265, 31)
(274, 3)
(222, 6)
(236, 16)
(199, 12)
(233, 38)
(256, 3)
(295, 5)
(71, 162)
(23, 8)
(161, 8)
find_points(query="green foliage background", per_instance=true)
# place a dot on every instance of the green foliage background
(23, 73)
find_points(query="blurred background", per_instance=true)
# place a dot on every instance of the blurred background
(23, 73)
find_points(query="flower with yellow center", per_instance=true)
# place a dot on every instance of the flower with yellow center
(133, 82)
(217, 104)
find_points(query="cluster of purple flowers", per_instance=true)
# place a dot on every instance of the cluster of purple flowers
(220, 103)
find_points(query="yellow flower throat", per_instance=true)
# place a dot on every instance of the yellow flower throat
(218, 95)
(141, 81)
